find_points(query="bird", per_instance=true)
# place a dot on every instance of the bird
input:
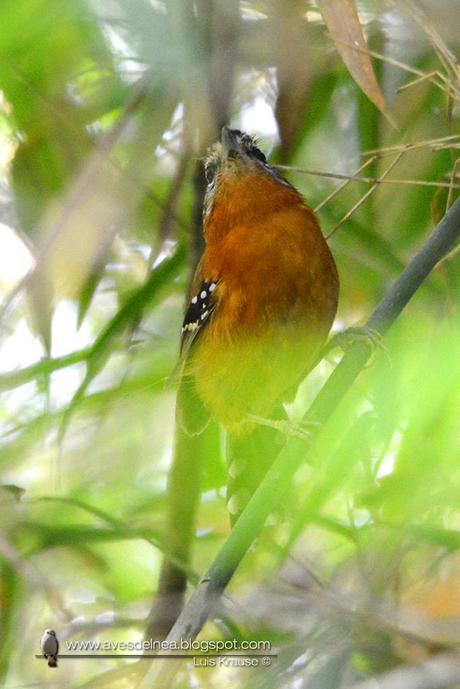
(50, 647)
(261, 305)
(263, 297)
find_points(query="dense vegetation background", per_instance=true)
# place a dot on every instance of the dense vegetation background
(106, 109)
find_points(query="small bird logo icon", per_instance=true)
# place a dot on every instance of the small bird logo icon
(50, 647)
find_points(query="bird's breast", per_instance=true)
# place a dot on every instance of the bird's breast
(276, 298)
(277, 269)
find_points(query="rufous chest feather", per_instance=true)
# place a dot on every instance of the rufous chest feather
(272, 267)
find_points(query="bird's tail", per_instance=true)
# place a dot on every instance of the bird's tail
(52, 661)
(249, 456)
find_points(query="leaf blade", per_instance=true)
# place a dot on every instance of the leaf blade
(342, 21)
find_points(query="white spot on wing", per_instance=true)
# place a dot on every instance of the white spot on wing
(191, 327)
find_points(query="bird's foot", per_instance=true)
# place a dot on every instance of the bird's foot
(286, 427)
(357, 333)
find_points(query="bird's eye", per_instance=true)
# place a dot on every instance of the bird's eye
(210, 172)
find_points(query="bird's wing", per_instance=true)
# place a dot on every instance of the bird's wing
(190, 411)
(49, 644)
(200, 309)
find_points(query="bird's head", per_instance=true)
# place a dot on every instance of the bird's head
(50, 632)
(237, 171)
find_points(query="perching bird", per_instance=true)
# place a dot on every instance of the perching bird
(264, 294)
(50, 647)
(262, 303)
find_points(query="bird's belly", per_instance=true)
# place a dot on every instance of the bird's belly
(49, 647)
(248, 375)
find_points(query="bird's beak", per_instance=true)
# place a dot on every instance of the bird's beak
(231, 146)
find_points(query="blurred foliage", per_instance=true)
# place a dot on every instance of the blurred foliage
(106, 108)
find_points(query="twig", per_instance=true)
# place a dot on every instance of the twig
(416, 81)
(445, 56)
(370, 191)
(441, 671)
(368, 180)
(445, 84)
(441, 142)
(278, 478)
(453, 176)
(345, 184)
